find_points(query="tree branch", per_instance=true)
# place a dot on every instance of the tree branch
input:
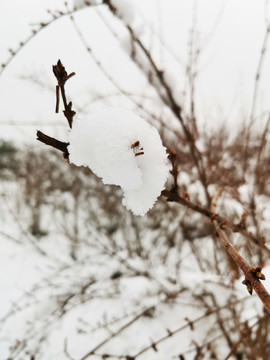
(252, 275)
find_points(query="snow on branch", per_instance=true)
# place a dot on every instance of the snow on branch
(118, 146)
(122, 149)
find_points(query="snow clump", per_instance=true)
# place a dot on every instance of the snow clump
(122, 149)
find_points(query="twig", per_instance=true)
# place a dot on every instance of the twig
(261, 150)
(184, 200)
(25, 233)
(66, 350)
(59, 145)
(62, 77)
(191, 70)
(243, 336)
(111, 79)
(206, 344)
(92, 352)
(43, 25)
(252, 275)
(171, 333)
(258, 75)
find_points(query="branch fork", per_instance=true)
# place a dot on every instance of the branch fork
(252, 275)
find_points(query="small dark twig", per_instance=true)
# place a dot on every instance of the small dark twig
(173, 195)
(57, 144)
(62, 77)
(252, 275)
(184, 200)
(57, 99)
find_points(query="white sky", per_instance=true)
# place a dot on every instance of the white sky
(230, 35)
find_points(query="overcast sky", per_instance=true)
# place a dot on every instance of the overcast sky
(229, 34)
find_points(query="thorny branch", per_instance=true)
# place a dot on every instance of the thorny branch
(169, 333)
(92, 352)
(253, 276)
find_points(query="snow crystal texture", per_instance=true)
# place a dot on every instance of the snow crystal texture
(122, 149)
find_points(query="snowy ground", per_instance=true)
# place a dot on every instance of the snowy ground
(58, 306)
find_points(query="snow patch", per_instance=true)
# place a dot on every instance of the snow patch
(122, 149)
